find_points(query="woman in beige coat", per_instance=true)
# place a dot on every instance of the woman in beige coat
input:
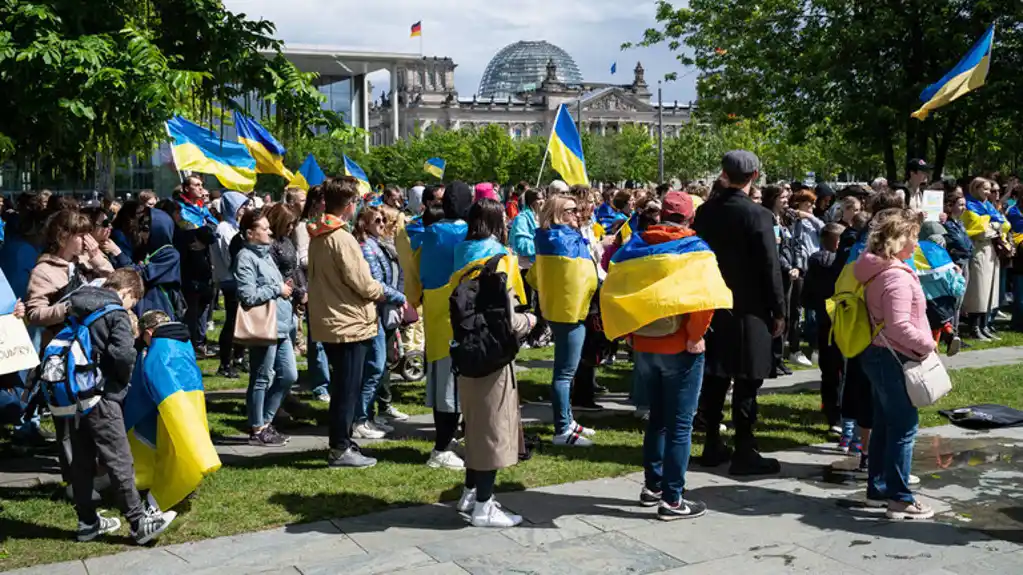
(982, 290)
(490, 404)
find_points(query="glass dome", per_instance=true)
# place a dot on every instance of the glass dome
(522, 66)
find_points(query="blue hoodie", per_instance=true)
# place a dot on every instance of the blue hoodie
(161, 269)
(17, 259)
(436, 260)
(521, 234)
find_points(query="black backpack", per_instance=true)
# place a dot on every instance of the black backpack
(483, 340)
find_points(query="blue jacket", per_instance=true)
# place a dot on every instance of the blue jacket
(161, 270)
(380, 266)
(259, 281)
(17, 258)
(436, 260)
(521, 234)
(957, 242)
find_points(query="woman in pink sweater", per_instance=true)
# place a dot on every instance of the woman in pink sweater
(896, 302)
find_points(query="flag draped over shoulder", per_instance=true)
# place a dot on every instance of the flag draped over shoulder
(979, 216)
(352, 169)
(197, 149)
(564, 275)
(937, 272)
(1015, 217)
(267, 151)
(651, 282)
(435, 167)
(969, 74)
(566, 149)
(165, 415)
(308, 175)
(434, 254)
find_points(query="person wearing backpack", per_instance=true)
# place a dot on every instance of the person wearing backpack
(485, 323)
(100, 431)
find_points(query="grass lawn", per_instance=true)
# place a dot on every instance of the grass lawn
(37, 525)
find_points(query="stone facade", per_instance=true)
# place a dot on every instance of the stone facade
(426, 97)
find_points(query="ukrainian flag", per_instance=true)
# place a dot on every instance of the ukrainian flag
(165, 415)
(352, 169)
(651, 282)
(268, 152)
(436, 247)
(979, 216)
(435, 167)
(937, 272)
(407, 258)
(1015, 217)
(969, 74)
(308, 175)
(197, 149)
(564, 275)
(566, 150)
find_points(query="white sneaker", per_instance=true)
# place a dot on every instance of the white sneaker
(815, 358)
(573, 439)
(445, 460)
(210, 326)
(393, 413)
(799, 359)
(365, 431)
(584, 431)
(378, 424)
(466, 501)
(489, 514)
(913, 480)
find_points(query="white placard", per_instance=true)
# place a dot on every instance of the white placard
(933, 204)
(16, 349)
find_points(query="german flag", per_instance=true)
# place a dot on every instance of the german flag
(417, 29)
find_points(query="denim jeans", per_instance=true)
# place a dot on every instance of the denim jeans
(271, 374)
(673, 387)
(317, 370)
(641, 373)
(568, 349)
(372, 374)
(895, 426)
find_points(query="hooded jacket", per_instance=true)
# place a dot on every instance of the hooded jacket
(113, 342)
(894, 297)
(161, 269)
(220, 251)
(521, 235)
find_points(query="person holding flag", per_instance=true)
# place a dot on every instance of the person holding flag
(663, 289)
(985, 225)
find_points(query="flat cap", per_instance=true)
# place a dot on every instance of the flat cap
(739, 165)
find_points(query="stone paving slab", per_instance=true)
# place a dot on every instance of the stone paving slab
(771, 560)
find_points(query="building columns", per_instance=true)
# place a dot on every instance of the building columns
(394, 105)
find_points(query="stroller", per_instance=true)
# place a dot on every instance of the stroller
(406, 351)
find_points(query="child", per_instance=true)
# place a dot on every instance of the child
(819, 285)
(101, 432)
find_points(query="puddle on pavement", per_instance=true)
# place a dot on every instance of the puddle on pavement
(980, 478)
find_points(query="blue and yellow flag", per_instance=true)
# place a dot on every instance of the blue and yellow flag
(1015, 217)
(566, 150)
(308, 175)
(979, 216)
(435, 247)
(564, 275)
(352, 169)
(937, 272)
(268, 152)
(969, 74)
(435, 167)
(165, 415)
(197, 149)
(651, 282)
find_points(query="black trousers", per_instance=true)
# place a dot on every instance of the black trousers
(857, 400)
(793, 325)
(346, 362)
(744, 407)
(101, 433)
(832, 365)
(199, 299)
(482, 482)
(228, 350)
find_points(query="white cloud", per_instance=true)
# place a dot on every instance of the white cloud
(472, 31)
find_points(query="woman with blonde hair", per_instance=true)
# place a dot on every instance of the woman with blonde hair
(896, 303)
(565, 277)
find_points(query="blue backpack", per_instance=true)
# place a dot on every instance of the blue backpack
(69, 374)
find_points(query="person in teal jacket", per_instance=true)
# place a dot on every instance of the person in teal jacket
(523, 229)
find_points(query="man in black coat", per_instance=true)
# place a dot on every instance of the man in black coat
(741, 234)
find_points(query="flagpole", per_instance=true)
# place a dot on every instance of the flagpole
(547, 150)
(174, 158)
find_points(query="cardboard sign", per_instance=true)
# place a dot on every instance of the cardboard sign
(16, 350)
(933, 204)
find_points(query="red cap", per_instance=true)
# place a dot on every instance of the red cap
(676, 202)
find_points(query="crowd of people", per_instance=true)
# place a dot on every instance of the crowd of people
(334, 274)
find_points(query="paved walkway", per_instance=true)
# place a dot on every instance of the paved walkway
(792, 523)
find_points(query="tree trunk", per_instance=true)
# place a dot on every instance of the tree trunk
(889, 154)
(942, 145)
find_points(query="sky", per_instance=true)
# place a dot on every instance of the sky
(471, 31)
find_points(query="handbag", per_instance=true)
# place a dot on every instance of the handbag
(927, 381)
(257, 325)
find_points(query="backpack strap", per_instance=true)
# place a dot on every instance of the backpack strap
(92, 317)
(494, 261)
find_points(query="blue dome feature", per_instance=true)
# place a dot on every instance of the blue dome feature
(522, 66)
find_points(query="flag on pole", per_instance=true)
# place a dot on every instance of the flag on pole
(197, 149)
(566, 149)
(268, 152)
(614, 68)
(308, 175)
(417, 29)
(352, 169)
(969, 74)
(435, 167)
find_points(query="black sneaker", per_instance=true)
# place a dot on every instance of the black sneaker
(714, 454)
(684, 509)
(752, 463)
(278, 434)
(228, 372)
(592, 407)
(648, 497)
(267, 438)
(241, 365)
